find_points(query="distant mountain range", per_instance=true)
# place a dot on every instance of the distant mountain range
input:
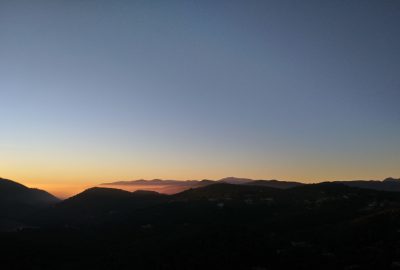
(176, 186)
(389, 184)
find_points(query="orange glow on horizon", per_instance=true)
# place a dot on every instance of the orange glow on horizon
(61, 191)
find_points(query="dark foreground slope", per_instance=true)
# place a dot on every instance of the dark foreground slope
(18, 203)
(221, 226)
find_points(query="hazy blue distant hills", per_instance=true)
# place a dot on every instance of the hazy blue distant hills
(275, 184)
(235, 180)
(176, 186)
(158, 185)
(389, 184)
(192, 183)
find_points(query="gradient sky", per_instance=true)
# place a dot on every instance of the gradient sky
(95, 91)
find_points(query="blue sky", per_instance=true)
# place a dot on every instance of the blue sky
(94, 90)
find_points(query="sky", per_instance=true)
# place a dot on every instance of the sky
(100, 91)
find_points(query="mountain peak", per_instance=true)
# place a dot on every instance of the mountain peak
(391, 179)
(102, 192)
(17, 201)
(11, 184)
(235, 180)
